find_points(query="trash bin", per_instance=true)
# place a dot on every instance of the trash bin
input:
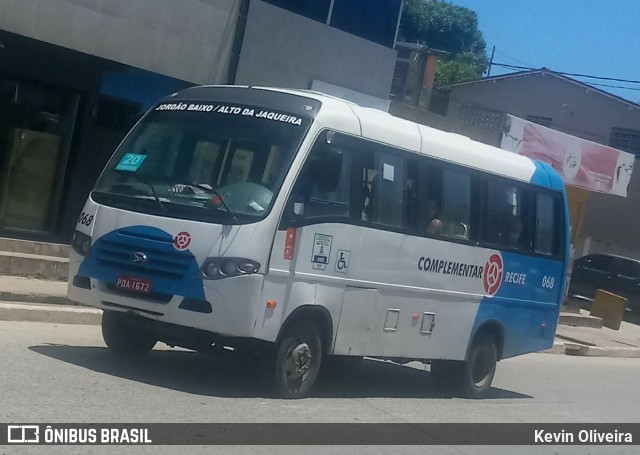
(609, 307)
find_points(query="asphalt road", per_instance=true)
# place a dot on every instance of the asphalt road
(63, 373)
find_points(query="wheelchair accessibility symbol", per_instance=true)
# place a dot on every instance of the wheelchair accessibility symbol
(342, 261)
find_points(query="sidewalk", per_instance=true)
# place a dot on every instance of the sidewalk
(19, 289)
(603, 342)
(32, 300)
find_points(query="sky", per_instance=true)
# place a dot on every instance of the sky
(594, 37)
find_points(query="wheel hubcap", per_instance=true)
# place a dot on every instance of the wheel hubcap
(298, 362)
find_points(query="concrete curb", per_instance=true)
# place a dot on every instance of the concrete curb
(36, 248)
(34, 266)
(580, 320)
(558, 348)
(581, 350)
(56, 314)
(35, 298)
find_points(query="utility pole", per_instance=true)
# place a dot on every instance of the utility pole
(493, 51)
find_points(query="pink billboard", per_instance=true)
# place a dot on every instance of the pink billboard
(580, 162)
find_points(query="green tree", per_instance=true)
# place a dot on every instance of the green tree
(451, 28)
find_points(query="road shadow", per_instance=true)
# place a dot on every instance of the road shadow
(199, 374)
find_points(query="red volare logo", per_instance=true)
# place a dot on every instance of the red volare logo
(182, 241)
(493, 275)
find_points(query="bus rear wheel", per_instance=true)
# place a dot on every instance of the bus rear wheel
(297, 360)
(480, 367)
(471, 378)
(123, 337)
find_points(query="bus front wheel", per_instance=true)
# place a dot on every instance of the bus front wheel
(125, 338)
(298, 358)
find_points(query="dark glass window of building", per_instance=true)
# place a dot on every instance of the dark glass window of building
(36, 126)
(318, 10)
(373, 20)
(625, 139)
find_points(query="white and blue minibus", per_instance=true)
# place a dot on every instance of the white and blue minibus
(308, 230)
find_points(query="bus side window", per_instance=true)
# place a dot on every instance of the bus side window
(324, 183)
(454, 194)
(545, 224)
(506, 219)
(389, 182)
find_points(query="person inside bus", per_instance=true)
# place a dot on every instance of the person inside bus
(435, 224)
(515, 237)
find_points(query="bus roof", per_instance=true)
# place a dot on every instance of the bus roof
(348, 117)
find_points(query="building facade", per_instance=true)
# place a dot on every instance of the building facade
(608, 223)
(76, 74)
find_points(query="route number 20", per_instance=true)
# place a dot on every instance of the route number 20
(547, 282)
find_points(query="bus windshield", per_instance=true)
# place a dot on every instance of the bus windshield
(212, 163)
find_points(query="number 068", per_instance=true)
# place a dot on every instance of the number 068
(547, 282)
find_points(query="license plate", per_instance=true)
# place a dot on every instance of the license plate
(133, 284)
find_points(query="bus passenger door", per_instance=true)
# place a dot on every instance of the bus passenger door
(312, 248)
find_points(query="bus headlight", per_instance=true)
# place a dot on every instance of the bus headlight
(81, 243)
(216, 268)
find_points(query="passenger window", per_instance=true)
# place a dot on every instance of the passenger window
(389, 182)
(545, 224)
(449, 204)
(324, 184)
(506, 216)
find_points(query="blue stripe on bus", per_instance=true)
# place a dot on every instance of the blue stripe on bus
(555, 181)
(541, 176)
(170, 271)
(527, 312)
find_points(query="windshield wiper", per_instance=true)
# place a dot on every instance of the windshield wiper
(146, 182)
(207, 190)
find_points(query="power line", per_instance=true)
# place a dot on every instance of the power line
(511, 58)
(602, 78)
(615, 86)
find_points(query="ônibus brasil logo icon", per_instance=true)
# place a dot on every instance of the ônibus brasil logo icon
(492, 275)
(182, 241)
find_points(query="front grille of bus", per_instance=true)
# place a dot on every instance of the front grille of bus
(160, 262)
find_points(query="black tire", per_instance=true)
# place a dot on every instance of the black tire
(480, 367)
(297, 360)
(471, 378)
(123, 337)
